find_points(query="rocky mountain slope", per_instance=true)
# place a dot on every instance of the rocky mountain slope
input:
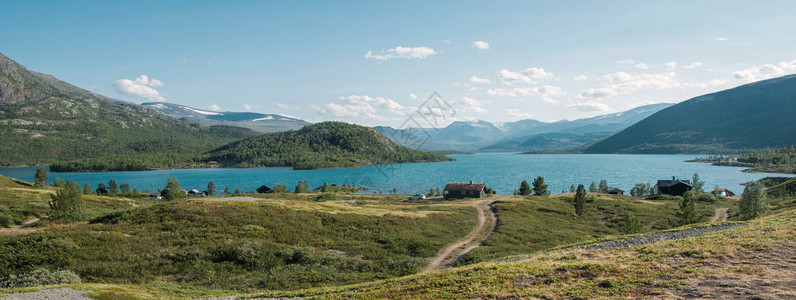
(43, 120)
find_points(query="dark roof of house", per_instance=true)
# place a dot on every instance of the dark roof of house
(465, 186)
(615, 190)
(673, 182)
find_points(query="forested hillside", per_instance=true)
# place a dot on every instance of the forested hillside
(754, 116)
(322, 145)
(45, 120)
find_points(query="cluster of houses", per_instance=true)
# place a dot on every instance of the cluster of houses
(674, 187)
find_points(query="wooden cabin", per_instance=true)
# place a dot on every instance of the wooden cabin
(461, 190)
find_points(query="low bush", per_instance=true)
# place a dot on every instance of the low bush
(39, 277)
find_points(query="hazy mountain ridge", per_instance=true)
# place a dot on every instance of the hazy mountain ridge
(255, 121)
(522, 135)
(752, 116)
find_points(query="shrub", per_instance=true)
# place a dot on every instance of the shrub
(67, 203)
(325, 197)
(39, 277)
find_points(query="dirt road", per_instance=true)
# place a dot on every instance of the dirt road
(720, 215)
(487, 222)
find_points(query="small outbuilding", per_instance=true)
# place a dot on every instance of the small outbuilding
(461, 190)
(615, 191)
(674, 187)
(263, 189)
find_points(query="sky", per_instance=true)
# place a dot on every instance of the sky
(376, 62)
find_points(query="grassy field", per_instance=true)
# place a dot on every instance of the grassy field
(137, 248)
(20, 201)
(533, 223)
(198, 246)
(751, 260)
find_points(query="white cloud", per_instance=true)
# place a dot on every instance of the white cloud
(402, 52)
(247, 107)
(626, 61)
(469, 104)
(215, 107)
(363, 106)
(671, 65)
(143, 87)
(716, 82)
(545, 92)
(721, 39)
(413, 96)
(516, 113)
(528, 75)
(642, 66)
(476, 79)
(589, 106)
(481, 45)
(624, 83)
(765, 71)
(283, 106)
(693, 65)
(581, 78)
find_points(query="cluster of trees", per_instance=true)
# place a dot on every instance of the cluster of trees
(433, 192)
(778, 160)
(539, 188)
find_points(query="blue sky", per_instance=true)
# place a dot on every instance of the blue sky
(374, 62)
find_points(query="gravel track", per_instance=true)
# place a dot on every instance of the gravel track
(639, 240)
(49, 294)
(634, 241)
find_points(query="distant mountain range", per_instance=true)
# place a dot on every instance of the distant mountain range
(753, 116)
(518, 136)
(255, 121)
(43, 120)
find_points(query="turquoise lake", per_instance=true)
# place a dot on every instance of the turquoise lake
(501, 171)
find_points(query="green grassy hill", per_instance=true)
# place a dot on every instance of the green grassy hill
(322, 145)
(199, 246)
(748, 117)
(754, 261)
(45, 120)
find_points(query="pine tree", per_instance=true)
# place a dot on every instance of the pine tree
(572, 188)
(172, 190)
(226, 191)
(237, 191)
(113, 188)
(698, 184)
(593, 188)
(59, 183)
(87, 188)
(603, 186)
(67, 203)
(125, 188)
(525, 188)
(753, 202)
(102, 190)
(539, 187)
(580, 200)
(40, 178)
(211, 188)
(431, 192)
(324, 187)
(436, 191)
(687, 214)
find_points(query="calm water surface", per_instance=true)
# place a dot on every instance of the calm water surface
(501, 171)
